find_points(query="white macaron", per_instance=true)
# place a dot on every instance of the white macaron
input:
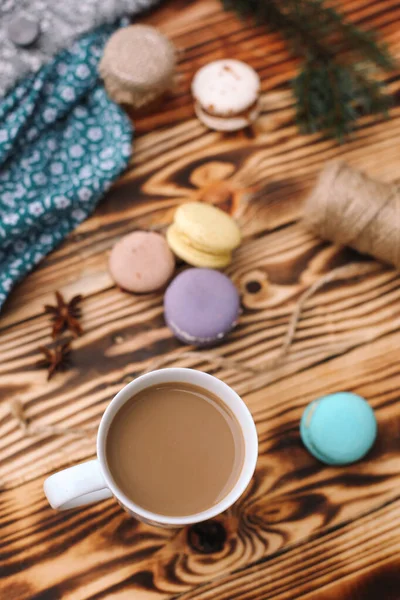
(226, 94)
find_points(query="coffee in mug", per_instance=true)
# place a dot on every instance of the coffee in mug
(175, 449)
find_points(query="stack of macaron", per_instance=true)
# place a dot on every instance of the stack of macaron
(226, 94)
(201, 304)
(203, 235)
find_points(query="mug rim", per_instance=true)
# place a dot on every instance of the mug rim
(244, 419)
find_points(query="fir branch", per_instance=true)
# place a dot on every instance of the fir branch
(364, 43)
(331, 90)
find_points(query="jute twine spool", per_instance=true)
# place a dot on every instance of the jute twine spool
(350, 209)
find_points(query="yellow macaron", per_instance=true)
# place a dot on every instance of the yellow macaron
(203, 235)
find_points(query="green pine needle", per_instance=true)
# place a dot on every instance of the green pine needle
(331, 90)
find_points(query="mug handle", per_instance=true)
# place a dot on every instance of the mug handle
(77, 486)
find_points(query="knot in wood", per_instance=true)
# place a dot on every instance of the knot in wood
(254, 288)
(207, 537)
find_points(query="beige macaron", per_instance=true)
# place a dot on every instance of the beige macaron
(138, 65)
(203, 235)
(141, 262)
(226, 94)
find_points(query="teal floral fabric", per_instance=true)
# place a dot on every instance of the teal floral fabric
(62, 143)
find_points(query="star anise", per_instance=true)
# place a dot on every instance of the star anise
(56, 358)
(65, 315)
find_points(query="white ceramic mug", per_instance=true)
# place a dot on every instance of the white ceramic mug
(93, 481)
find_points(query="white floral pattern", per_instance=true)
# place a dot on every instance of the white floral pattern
(58, 155)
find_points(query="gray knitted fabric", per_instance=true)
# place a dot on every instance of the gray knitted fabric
(61, 21)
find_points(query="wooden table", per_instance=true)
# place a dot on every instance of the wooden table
(302, 530)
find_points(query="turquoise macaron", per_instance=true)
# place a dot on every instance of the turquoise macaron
(338, 429)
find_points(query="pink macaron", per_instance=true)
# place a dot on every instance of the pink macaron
(141, 262)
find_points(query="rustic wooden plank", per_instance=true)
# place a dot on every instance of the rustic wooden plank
(291, 498)
(123, 333)
(341, 564)
(302, 529)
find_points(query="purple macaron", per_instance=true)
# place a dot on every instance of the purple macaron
(201, 306)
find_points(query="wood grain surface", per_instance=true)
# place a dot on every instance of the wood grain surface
(302, 530)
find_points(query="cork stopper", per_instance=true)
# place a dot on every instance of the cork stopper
(138, 65)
